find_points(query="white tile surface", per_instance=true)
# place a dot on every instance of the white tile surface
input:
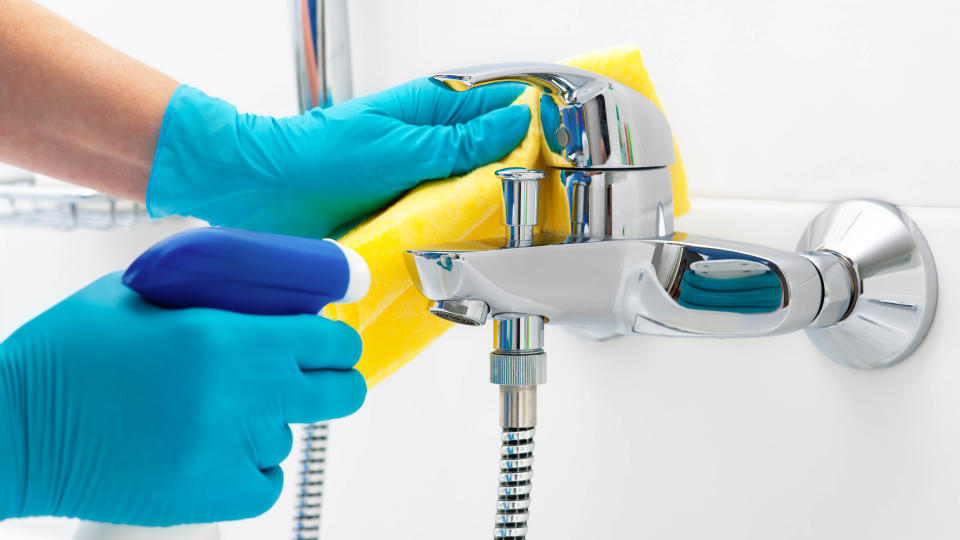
(11, 173)
(239, 50)
(813, 100)
(42, 266)
(37, 529)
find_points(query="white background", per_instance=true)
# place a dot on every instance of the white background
(779, 108)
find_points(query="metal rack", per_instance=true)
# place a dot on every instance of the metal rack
(24, 201)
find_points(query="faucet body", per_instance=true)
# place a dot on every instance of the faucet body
(633, 286)
(621, 269)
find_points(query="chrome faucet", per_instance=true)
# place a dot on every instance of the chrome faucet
(621, 269)
(609, 144)
(862, 282)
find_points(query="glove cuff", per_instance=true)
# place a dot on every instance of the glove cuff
(201, 156)
(12, 438)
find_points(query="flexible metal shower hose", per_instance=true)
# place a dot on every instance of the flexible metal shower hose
(516, 476)
(312, 468)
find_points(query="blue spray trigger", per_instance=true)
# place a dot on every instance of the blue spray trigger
(247, 272)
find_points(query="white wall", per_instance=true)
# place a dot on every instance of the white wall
(779, 108)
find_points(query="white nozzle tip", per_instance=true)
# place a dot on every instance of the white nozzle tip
(359, 283)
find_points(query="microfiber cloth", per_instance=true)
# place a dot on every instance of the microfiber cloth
(393, 318)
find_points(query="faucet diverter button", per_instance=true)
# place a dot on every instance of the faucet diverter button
(521, 189)
(521, 196)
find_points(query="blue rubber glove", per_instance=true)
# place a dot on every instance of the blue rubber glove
(116, 410)
(317, 174)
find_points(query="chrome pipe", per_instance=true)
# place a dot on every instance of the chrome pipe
(322, 47)
(324, 78)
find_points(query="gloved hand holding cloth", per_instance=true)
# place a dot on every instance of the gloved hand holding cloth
(321, 172)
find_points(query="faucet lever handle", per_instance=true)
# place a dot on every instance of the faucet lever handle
(569, 84)
(521, 188)
(589, 121)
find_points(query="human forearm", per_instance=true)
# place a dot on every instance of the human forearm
(73, 107)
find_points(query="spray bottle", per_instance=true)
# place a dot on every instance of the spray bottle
(242, 271)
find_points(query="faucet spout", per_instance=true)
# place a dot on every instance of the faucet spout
(676, 285)
(863, 283)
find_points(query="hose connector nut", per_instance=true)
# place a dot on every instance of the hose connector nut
(524, 369)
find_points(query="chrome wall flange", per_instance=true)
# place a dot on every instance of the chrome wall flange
(894, 278)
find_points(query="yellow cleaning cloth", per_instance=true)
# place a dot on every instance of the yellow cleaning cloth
(393, 318)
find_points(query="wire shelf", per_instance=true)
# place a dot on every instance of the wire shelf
(24, 202)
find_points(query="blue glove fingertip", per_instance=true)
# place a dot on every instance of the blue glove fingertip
(354, 391)
(449, 107)
(329, 394)
(344, 342)
(259, 494)
(270, 450)
(491, 137)
(500, 94)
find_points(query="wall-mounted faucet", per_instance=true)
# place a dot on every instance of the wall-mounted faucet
(862, 282)
(610, 145)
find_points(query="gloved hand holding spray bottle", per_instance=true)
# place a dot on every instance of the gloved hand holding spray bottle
(243, 272)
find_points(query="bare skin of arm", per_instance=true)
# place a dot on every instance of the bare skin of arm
(74, 108)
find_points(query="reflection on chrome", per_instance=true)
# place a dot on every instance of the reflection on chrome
(735, 285)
